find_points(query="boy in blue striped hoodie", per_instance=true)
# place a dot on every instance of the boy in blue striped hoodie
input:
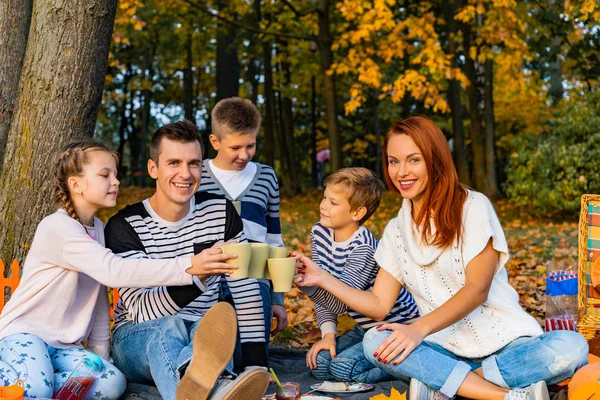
(345, 248)
(233, 174)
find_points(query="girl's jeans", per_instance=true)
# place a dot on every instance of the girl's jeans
(551, 357)
(44, 369)
(349, 364)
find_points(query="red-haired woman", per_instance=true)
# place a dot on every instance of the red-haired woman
(447, 247)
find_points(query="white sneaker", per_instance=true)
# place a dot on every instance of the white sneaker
(537, 391)
(249, 385)
(420, 391)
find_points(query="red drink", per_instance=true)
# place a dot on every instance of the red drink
(74, 388)
(288, 391)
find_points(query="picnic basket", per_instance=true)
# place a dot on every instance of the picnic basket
(589, 267)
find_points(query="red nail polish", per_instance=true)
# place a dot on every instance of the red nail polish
(385, 362)
(395, 363)
(379, 359)
(375, 354)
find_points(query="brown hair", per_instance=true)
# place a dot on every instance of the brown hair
(444, 195)
(183, 131)
(71, 160)
(362, 185)
(235, 115)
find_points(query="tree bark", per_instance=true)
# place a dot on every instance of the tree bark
(460, 151)
(60, 91)
(228, 64)
(188, 79)
(15, 18)
(313, 131)
(490, 135)
(325, 41)
(269, 117)
(287, 153)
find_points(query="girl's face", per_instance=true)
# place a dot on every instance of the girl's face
(98, 186)
(407, 169)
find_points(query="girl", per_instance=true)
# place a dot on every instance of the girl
(62, 301)
(447, 247)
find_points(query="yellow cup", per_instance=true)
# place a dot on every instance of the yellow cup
(282, 273)
(275, 252)
(258, 262)
(244, 253)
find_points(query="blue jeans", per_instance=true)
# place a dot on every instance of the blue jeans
(156, 351)
(265, 293)
(349, 364)
(44, 369)
(551, 357)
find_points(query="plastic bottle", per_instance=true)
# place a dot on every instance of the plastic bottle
(81, 378)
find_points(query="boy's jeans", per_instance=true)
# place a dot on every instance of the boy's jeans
(349, 364)
(156, 351)
(551, 357)
(44, 369)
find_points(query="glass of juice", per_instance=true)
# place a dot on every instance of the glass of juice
(288, 391)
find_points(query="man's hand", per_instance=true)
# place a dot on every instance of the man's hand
(278, 312)
(308, 273)
(211, 261)
(327, 343)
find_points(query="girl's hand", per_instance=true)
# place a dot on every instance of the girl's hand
(307, 272)
(404, 339)
(327, 343)
(211, 261)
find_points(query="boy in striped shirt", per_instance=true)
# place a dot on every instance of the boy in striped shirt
(233, 175)
(345, 248)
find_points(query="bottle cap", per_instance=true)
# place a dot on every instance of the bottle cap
(94, 362)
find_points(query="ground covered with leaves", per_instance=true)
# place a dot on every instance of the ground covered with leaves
(536, 245)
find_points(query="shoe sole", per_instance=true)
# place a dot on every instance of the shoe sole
(250, 387)
(542, 393)
(213, 346)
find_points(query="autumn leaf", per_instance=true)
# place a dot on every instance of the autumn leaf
(394, 395)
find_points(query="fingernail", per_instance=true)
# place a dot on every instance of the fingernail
(375, 354)
(379, 359)
(385, 362)
(394, 363)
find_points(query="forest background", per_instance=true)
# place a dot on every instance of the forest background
(512, 84)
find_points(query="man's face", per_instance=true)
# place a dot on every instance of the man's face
(178, 171)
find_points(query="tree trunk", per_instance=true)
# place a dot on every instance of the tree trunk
(477, 137)
(313, 131)
(60, 91)
(325, 41)
(490, 136)
(287, 153)
(15, 18)
(460, 151)
(269, 117)
(228, 64)
(124, 122)
(188, 79)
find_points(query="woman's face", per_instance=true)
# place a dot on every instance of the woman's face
(407, 168)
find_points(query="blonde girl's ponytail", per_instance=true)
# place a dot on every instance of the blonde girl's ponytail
(70, 162)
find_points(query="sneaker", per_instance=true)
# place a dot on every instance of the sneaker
(420, 391)
(249, 385)
(537, 391)
(213, 346)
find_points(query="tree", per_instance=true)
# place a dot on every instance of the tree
(59, 95)
(15, 17)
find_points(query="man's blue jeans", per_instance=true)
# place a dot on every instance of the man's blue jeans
(350, 363)
(551, 357)
(156, 351)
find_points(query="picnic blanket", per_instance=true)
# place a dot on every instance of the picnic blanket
(289, 365)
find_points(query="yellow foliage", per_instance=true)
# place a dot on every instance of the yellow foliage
(394, 395)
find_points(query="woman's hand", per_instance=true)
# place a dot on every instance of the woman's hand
(403, 339)
(211, 261)
(327, 343)
(308, 273)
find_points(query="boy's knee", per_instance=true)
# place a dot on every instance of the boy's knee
(341, 369)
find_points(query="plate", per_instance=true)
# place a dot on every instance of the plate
(311, 397)
(353, 387)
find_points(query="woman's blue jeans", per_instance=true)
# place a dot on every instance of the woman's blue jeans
(44, 369)
(551, 357)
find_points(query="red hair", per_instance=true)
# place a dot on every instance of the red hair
(444, 196)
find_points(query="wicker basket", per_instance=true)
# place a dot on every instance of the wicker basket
(589, 252)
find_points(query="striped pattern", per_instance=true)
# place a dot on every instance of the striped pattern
(353, 263)
(137, 232)
(260, 203)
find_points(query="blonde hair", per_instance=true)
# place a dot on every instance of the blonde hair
(71, 160)
(363, 187)
(239, 116)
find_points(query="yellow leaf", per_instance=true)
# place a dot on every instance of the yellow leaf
(394, 395)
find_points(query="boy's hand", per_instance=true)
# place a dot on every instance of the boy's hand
(211, 261)
(308, 273)
(278, 312)
(327, 343)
